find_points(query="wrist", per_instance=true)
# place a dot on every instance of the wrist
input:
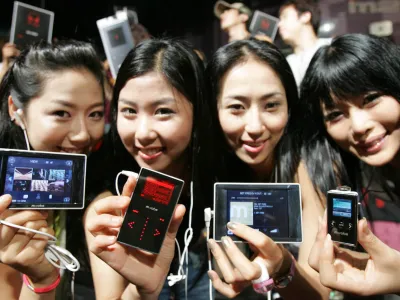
(286, 274)
(43, 284)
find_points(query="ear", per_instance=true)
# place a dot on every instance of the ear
(305, 17)
(243, 18)
(12, 111)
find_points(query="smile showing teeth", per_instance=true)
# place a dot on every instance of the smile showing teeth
(374, 146)
(151, 151)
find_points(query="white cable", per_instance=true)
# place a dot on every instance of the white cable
(208, 213)
(26, 140)
(126, 173)
(53, 252)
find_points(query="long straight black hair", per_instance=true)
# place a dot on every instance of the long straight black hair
(352, 66)
(228, 167)
(179, 64)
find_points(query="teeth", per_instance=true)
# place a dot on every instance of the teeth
(151, 151)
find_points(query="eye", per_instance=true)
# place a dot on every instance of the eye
(97, 115)
(61, 114)
(236, 108)
(164, 111)
(128, 111)
(333, 116)
(272, 105)
(371, 98)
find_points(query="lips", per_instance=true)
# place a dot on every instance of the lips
(72, 150)
(254, 147)
(150, 153)
(372, 145)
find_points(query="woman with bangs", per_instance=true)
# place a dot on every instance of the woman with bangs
(351, 96)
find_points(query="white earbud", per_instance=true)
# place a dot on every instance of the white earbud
(18, 117)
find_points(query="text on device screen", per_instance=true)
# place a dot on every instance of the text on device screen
(39, 180)
(266, 211)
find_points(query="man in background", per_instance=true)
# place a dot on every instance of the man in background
(298, 27)
(233, 19)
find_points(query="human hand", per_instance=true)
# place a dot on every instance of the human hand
(145, 270)
(237, 270)
(24, 250)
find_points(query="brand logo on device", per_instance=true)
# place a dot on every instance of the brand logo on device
(241, 212)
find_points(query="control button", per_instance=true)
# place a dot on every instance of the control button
(341, 224)
(333, 223)
(157, 232)
(350, 225)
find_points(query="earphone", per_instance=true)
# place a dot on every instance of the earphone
(18, 117)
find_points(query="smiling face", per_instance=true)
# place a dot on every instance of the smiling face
(155, 123)
(253, 112)
(68, 115)
(367, 126)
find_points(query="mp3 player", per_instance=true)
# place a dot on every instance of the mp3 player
(272, 208)
(43, 180)
(150, 211)
(117, 40)
(343, 216)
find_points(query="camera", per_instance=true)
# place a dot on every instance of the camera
(342, 211)
(43, 180)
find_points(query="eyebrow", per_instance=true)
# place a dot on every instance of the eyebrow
(158, 102)
(263, 97)
(72, 105)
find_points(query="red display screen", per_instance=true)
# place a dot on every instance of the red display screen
(157, 190)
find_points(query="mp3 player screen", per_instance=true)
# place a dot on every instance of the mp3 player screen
(116, 37)
(38, 180)
(266, 211)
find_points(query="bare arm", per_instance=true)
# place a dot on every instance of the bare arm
(306, 278)
(10, 283)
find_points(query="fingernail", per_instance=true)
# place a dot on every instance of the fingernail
(111, 238)
(211, 244)
(116, 220)
(44, 213)
(226, 241)
(327, 241)
(210, 275)
(231, 225)
(366, 227)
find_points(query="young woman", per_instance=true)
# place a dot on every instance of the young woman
(254, 104)
(351, 96)
(57, 90)
(158, 119)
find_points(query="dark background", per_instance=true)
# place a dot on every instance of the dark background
(192, 19)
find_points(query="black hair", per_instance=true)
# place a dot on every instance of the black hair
(352, 66)
(181, 66)
(27, 76)
(303, 6)
(228, 167)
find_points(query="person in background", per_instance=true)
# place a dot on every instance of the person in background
(298, 27)
(9, 52)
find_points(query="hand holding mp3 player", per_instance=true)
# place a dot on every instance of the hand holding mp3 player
(146, 271)
(43, 180)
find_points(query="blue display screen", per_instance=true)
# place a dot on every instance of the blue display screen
(39, 180)
(341, 208)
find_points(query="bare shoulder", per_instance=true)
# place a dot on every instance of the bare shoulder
(308, 192)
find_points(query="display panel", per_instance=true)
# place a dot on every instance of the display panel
(274, 209)
(149, 213)
(43, 179)
(343, 216)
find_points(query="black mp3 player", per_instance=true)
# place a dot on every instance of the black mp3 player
(150, 211)
(343, 216)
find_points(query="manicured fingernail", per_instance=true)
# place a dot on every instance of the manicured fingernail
(226, 241)
(366, 227)
(231, 225)
(111, 238)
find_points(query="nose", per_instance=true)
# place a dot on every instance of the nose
(360, 123)
(145, 133)
(254, 124)
(80, 136)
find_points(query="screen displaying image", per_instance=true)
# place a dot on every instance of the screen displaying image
(264, 210)
(38, 180)
(157, 190)
(341, 208)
